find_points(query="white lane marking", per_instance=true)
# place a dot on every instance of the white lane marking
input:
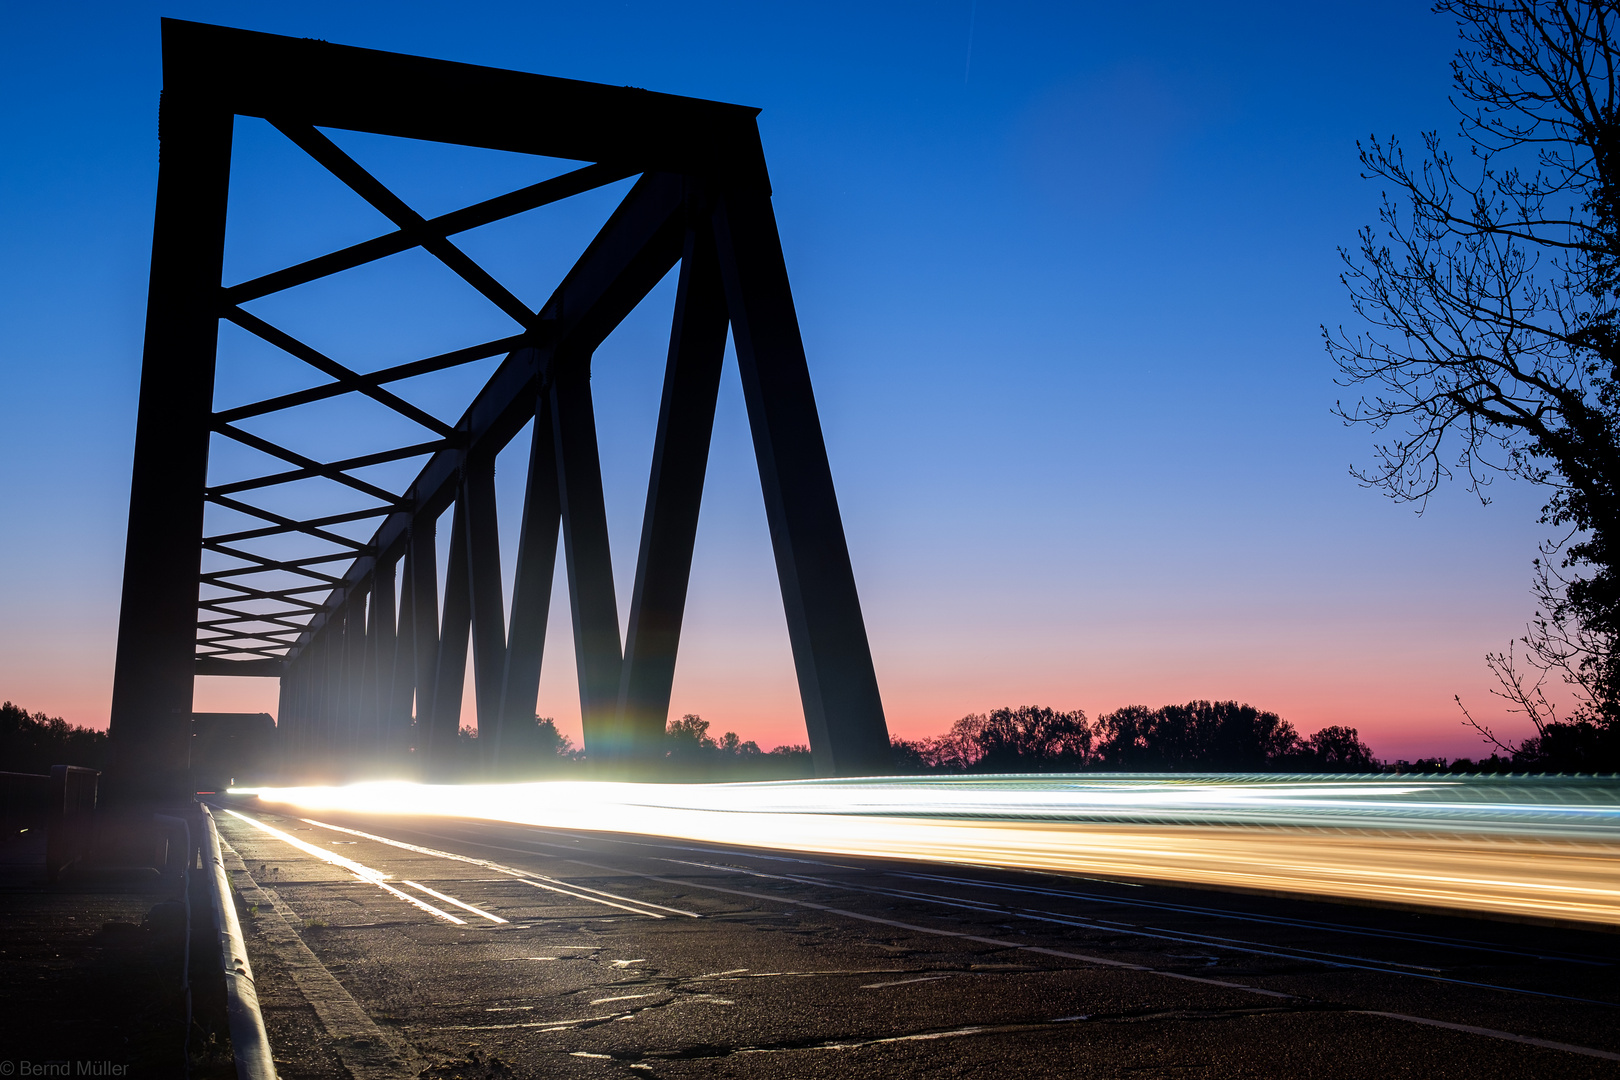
(1489, 1033)
(621, 997)
(582, 896)
(366, 1052)
(539, 881)
(1102, 961)
(359, 870)
(452, 900)
(905, 982)
(543, 1025)
(1239, 916)
(531, 851)
(1494, 1034)
(929, 1037)
(1150, 932)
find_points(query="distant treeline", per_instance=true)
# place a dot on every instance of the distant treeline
(690, 754)
(33, 742)
(1200, 736)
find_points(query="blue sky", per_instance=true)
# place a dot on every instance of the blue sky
(1060, 270)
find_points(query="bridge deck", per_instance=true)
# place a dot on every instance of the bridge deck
(620, 956)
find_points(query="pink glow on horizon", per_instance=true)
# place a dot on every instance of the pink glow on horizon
(1408, 713)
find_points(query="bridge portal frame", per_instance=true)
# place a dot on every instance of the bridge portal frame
(352, 662)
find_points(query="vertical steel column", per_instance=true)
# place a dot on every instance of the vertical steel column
(531, 593)
(590, 562)
(488, 611)
(290, 727)
(424, 582)
(150, 725)
(837, 683)
(310, 736)
(286, 696)
(344, 692)
(450, 675)
(380, 685)
(311, 656)
(332, 738)
(300, 739)
(354, 672)
(365, 711)
(401, 697)
(697, 348)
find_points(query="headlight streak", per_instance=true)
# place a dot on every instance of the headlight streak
(1525, 846)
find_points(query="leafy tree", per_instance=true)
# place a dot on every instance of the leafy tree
(1030, 738)
(1128, 739)
(1489, 294)
(1026, 739)
(549, 742)
(687, 741)
(1334, 749)
(527, 750)
(1220, 736)
(910, 756)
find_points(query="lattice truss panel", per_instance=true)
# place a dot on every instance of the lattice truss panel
(283, 524)
(315, 524)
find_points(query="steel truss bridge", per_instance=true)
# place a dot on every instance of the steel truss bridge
(370, 663)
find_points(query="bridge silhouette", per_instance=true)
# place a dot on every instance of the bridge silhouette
(371, 664)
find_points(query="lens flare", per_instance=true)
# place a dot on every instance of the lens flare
(1532, 847)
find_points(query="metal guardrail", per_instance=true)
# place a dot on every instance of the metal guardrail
(61, 804)
(249, 1040)
(70, 819)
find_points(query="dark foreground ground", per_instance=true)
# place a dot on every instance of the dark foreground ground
(91, 974)
(636, 956)
(626, 956)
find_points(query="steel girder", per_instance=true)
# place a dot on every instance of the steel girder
(366, 676)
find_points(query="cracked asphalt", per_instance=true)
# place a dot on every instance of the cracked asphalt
(392, 946)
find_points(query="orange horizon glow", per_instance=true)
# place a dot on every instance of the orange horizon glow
(768, 710)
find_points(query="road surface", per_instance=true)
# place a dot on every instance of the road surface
(386, 945)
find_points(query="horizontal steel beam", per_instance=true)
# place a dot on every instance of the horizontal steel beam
(338, 86)
(213, 665)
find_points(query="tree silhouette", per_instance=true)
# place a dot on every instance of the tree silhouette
(1489, 298)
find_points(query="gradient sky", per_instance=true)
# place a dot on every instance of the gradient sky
(1060, 270)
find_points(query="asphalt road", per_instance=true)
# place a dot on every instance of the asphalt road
(493, 950)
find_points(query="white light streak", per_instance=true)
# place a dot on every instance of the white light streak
(1541, 848)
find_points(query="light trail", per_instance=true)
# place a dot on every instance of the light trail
(1544, 848)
